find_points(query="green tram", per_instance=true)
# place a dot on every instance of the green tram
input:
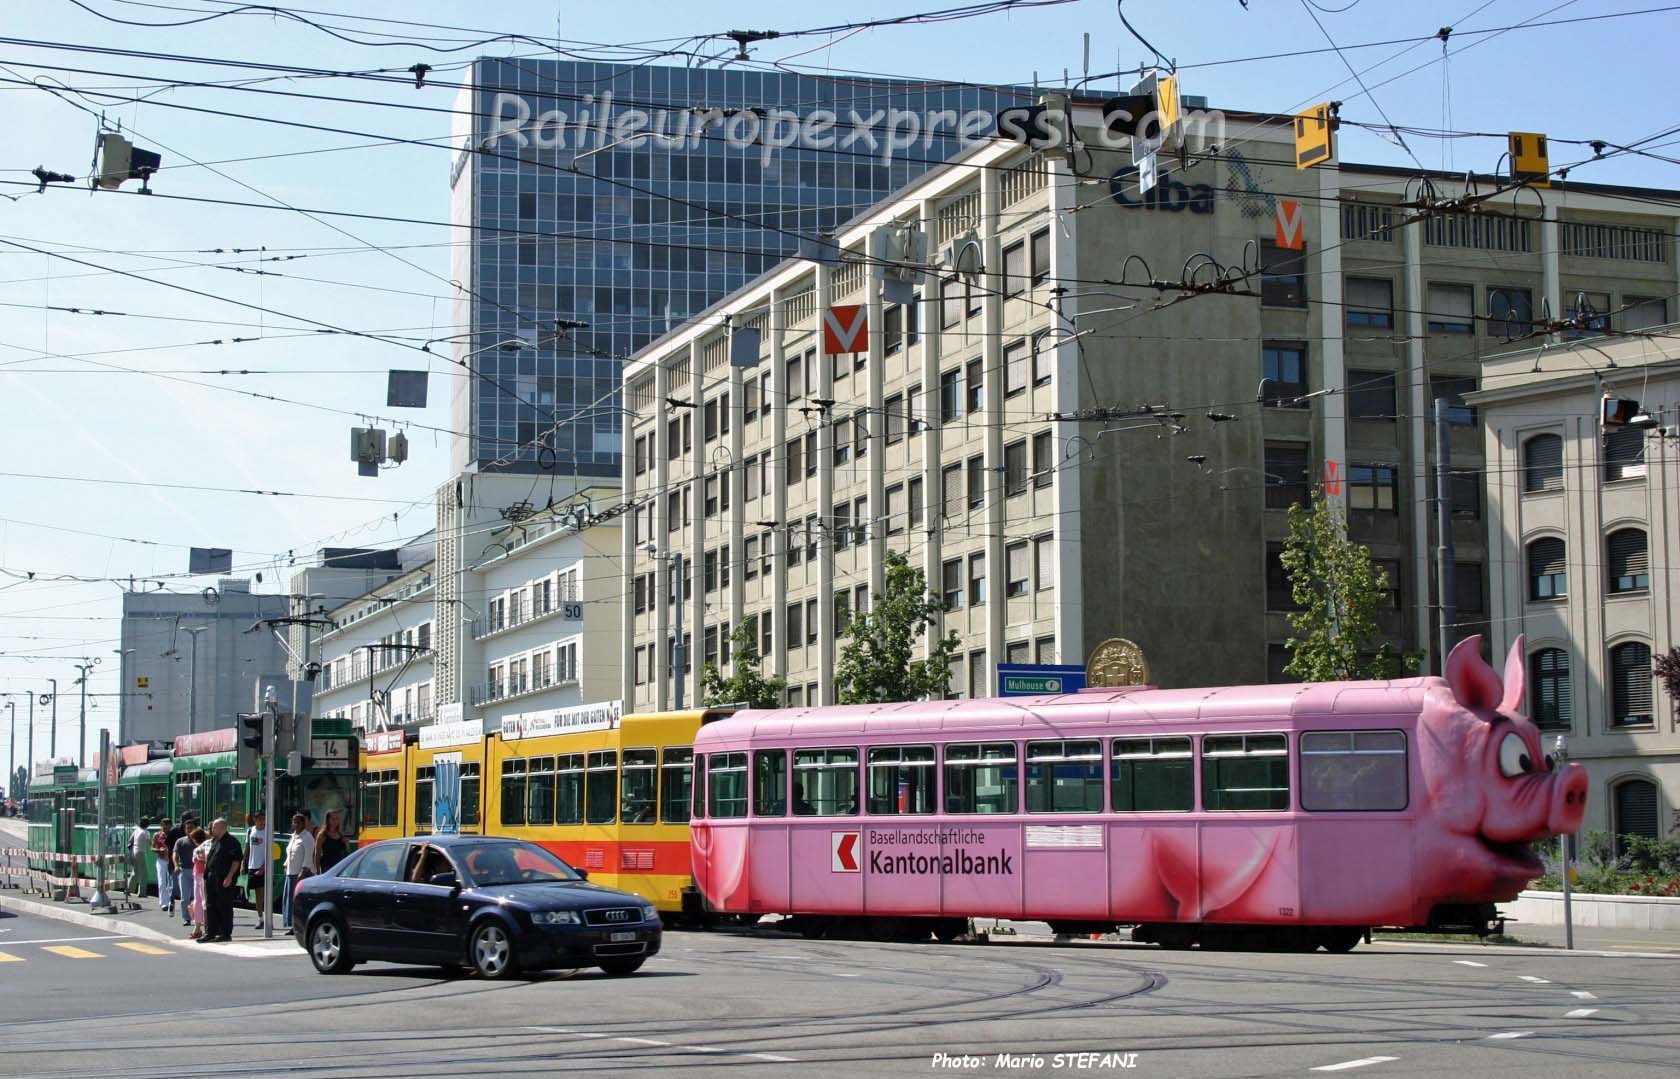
(199, 777)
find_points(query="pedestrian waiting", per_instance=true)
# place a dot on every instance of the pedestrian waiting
(139, 846)
(300, 862)
(162, 838)
(257, 857)
(189, 856)
(221, 876)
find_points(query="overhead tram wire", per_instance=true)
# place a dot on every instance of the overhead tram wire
(1308, 6)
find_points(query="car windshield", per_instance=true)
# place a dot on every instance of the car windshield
(510, 863)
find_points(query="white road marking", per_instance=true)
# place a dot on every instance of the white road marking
(1536, 981)
(1468, 963)
(1360, 1063)
(1580, 1013)
(845, 975)
(1509, 1034)
(642, 1041)
(1582, 994)
(773, 1056)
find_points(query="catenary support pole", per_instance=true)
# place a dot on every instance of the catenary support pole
(1447, 615)
(679, 654)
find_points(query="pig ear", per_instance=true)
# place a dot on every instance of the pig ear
(1473, 682)
(1516, 677)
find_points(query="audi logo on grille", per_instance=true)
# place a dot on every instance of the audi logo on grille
(618, 916)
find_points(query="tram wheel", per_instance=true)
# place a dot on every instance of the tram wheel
(1341, 939)
(946, 930)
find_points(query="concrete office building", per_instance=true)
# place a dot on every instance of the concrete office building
(341, 575)
(173, 642)
(565, 213)
(1585, 543)
(1071, 453)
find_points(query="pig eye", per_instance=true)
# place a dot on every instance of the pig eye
(1551, 763)
(1513, 756)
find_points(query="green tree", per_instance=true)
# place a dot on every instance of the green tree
(1337, 590)
(747, 685)
(877, 663)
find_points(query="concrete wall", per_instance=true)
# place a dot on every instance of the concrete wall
(1596, 911)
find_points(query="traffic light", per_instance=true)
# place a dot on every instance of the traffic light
(256, 737)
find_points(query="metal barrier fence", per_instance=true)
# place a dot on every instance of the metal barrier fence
(66, 878)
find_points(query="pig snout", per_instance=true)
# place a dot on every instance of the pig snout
(1569, 800)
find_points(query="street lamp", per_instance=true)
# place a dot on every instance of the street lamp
(81, 750)
(11, 751)
(679, 654)
(122, 698)
(192, 671)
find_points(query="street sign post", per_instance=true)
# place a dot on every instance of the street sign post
(1037, 679)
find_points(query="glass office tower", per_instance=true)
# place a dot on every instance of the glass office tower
(627, 198)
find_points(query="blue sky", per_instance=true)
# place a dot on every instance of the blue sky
(176, 424)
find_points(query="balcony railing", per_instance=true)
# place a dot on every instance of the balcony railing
(489, 692)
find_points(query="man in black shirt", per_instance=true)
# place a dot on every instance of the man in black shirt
(221, 876)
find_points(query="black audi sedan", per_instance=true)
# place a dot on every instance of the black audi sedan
(496, 906)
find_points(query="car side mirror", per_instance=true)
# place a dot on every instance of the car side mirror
(583, 874)
(445, 880)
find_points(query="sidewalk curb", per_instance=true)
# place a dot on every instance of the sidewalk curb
(86, 919)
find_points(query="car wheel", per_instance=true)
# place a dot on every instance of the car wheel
(329, 949)
(492, 951)
(618, 968)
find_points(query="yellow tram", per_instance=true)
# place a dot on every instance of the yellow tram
(609, 795)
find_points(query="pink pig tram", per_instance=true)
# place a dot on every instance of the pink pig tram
(1284, 816)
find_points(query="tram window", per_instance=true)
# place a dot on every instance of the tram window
(1353, 771)
(568, 799)
(901, 780)
(981, 778)
(825, 782)
(470, 780)
(1064, 777)
(1245, 772)
(221, 798)
(728, 785)
(423, 780)
(539, 791)
(186, 793)
(601, 791)
(388, 792)
(676, 784)
(640, 786)
(513, 791)
(770, 783)
(1152, 775)
(698, 773)
(154, 800)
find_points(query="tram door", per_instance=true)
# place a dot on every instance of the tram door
(446, 793)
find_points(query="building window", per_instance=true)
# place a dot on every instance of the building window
(916, 511)
(1043, 459)
(842, 525)
(1040, 256)
(1280, 594)
(1390, 596)
(895, 418)
(1283, 277)
(795, 633)
(978, 685)
(1590, 313)
(1630, 684)
(892, 329)
(1510, 312)
(1636, 810)
(895, 509)
(1371, 395)
(1468, 594)
(1452, 309)
(1466, 493)
(1286, 475)
(1624, 454)
(1548, 574)
(1284, 366)
(1548, 689)
(1543, 464)
(811, 460)
(1015, 370)
(1044, 562)
(1373, 487)
(842, 441)
(1015, 561)
(976, 483)
(810, 621)
(976, 380)
(1630, 567)
(795, 472)
(1642, 313)
(951, 583)
(950, 303)
(1370, 303)
(1015, 468)
(1044, 650)
(1453, 389)
(1015, 269)
(1043, 359)
(951, 490)
(950, 396)
(977, 579)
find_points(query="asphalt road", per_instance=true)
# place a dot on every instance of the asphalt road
(761, 1003)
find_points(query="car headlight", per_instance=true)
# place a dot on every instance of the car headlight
(649, 912)
(556, 917)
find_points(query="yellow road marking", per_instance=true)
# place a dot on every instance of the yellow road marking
(8, 957)
(143, 949)
(71, 952)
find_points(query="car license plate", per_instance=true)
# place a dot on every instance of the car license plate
(616, 937)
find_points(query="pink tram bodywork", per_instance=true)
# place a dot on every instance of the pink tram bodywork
(1347, 804)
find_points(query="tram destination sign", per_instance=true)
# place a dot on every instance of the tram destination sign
(1038, 679)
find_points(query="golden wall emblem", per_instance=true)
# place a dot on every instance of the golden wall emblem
(1117, 662)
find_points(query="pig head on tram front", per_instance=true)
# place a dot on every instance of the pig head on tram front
(1489, 791)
